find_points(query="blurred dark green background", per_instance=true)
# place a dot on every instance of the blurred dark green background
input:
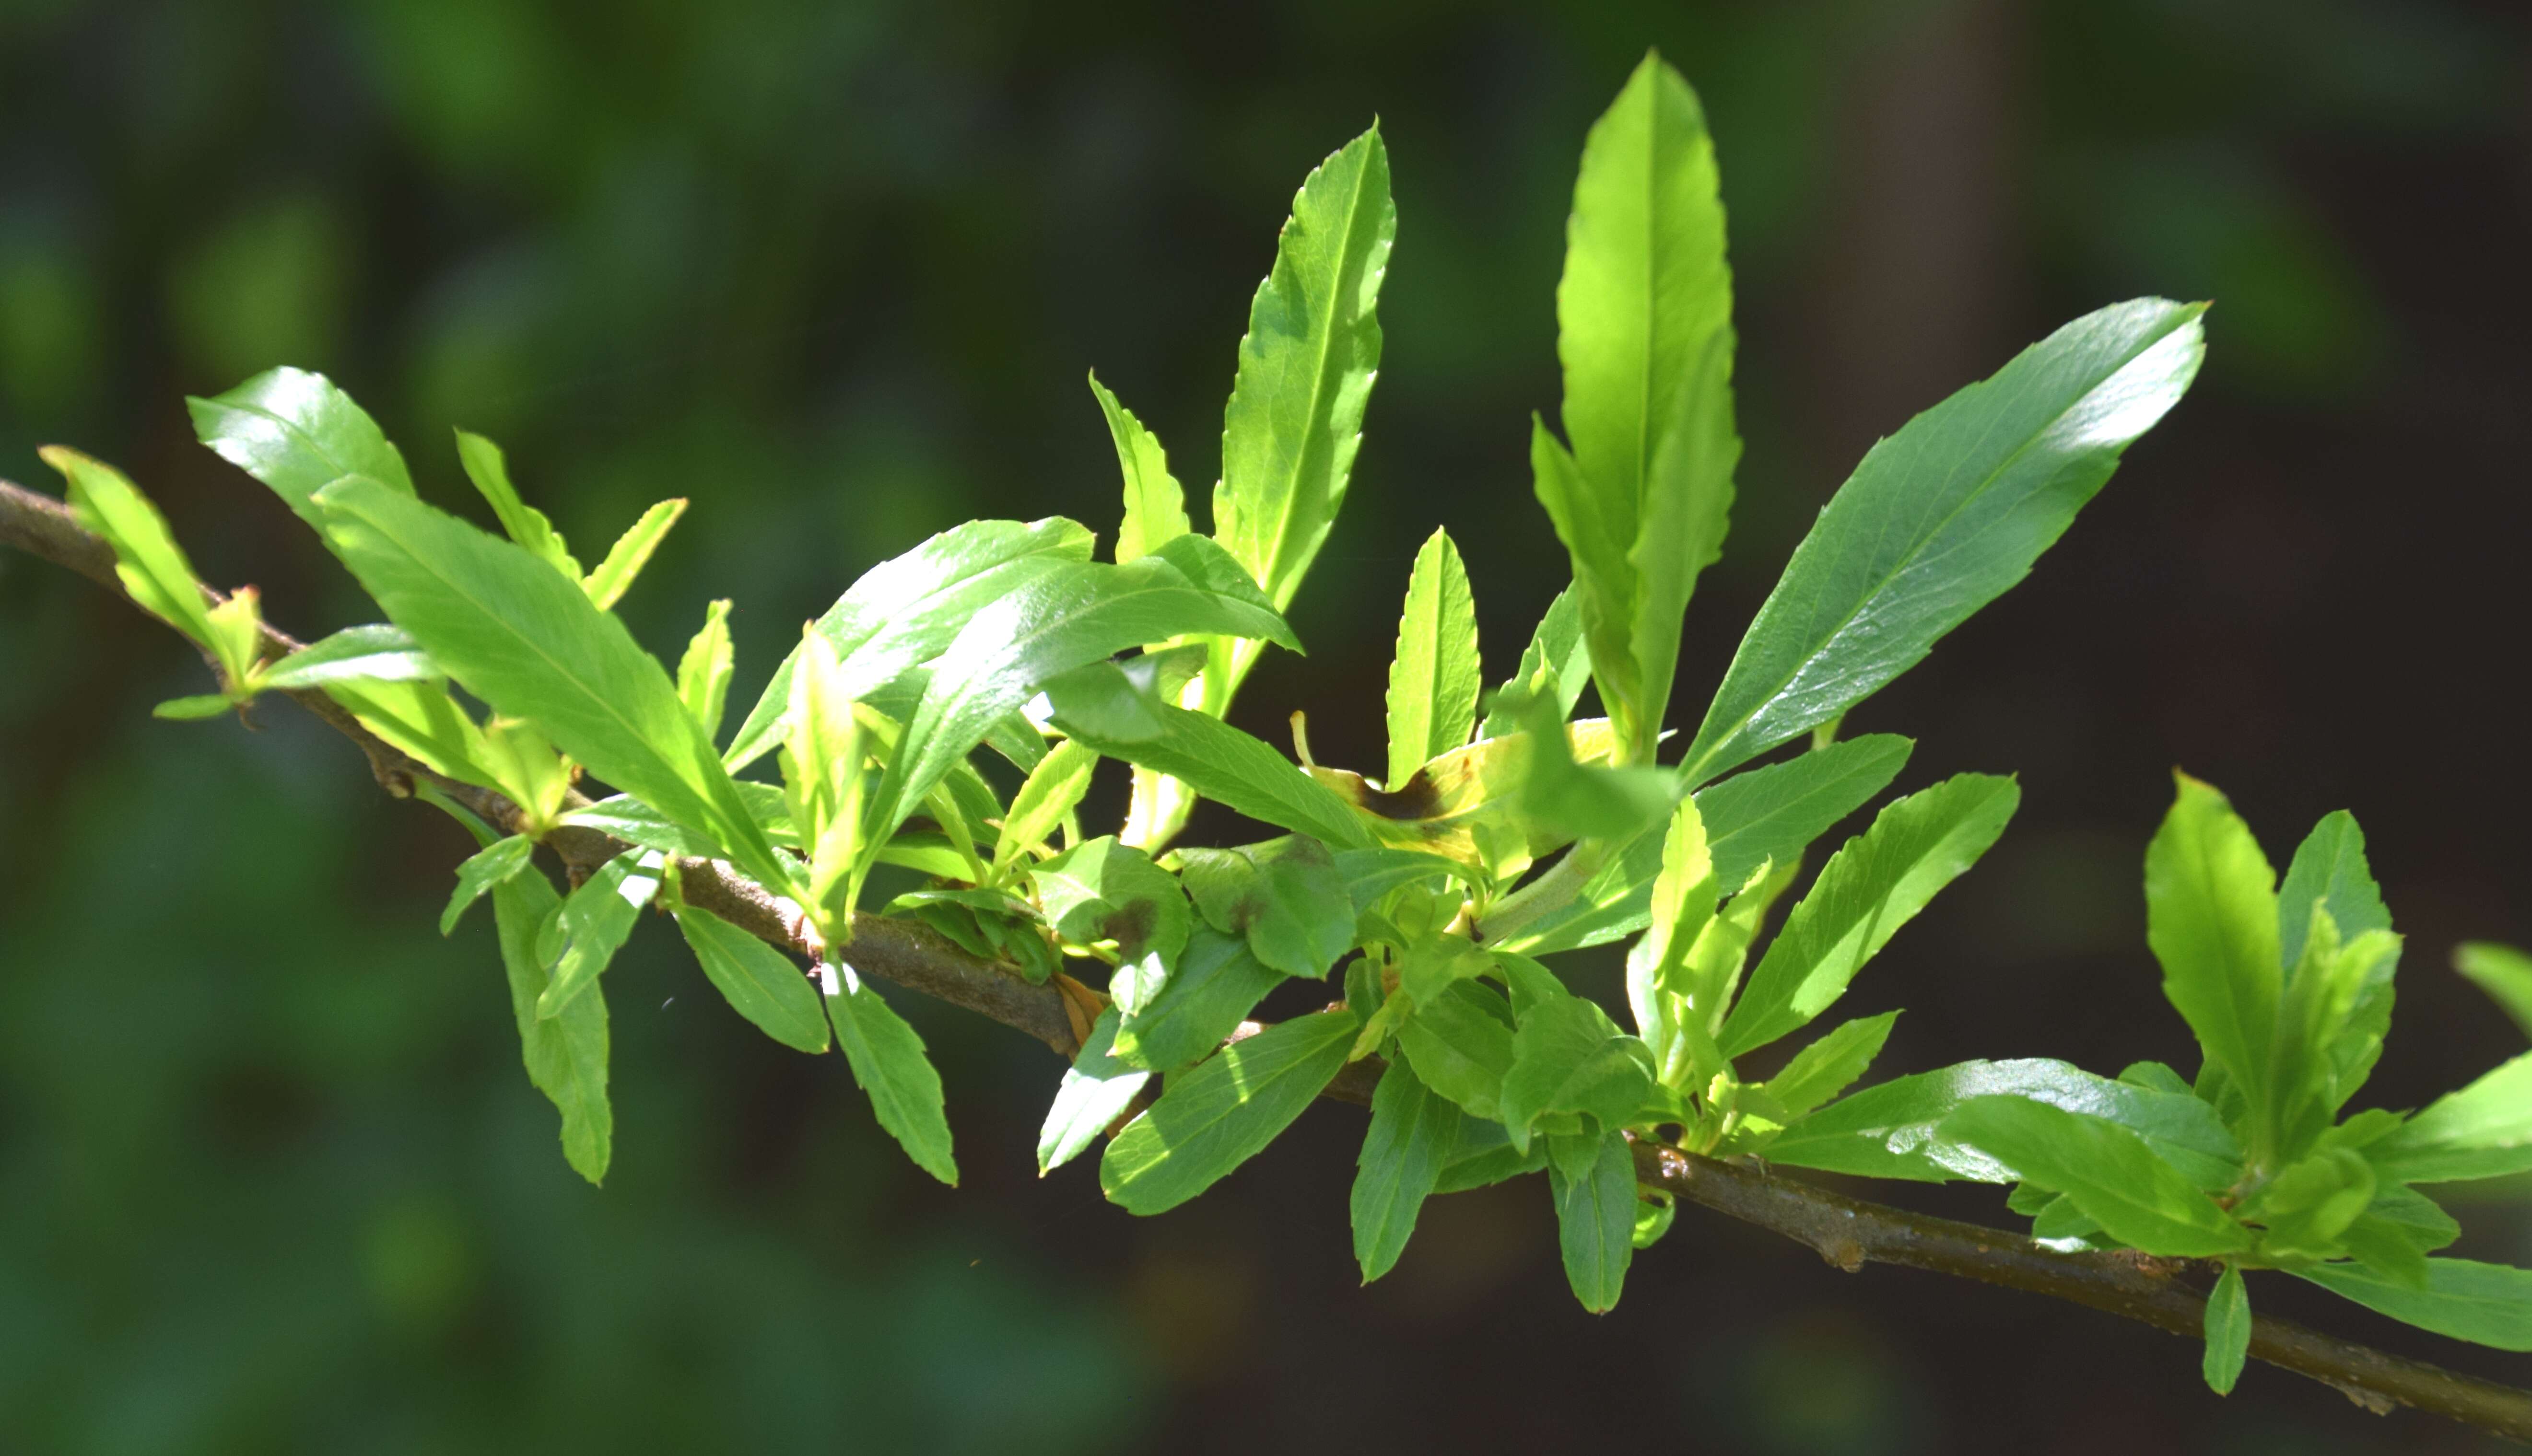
(271, 1176)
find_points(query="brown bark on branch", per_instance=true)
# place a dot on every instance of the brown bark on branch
(1847, 1232)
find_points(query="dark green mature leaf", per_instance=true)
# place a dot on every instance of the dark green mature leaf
(378, 654)
(1064, 619)
(1283, 895)
(1154, 506)
(1567, 1057)
(1461, 1045)
(1595, 1222)
(906, 610)
(759, 982)
(1644, 333)
(1434, 676)
(1223, 1112)
(2211, 918)
(565, 1054)
(486, 868)
(524, 523)
(596, 920)
(2107, 1171)
(1216, 983)
(1891, 1130)
(297, 433)
(1556, 666)
(1829, 1065)
(532, 644)
(1941, 518)
(1483, 1155)
(1866, 892)
(2503, 971)
(2228, 1331)
(2487, 1304)
(2483, 1131)
(1104, 890)
(1306, 365)
(1234, 770)
(1096, 1090)
(1413, 1134)
(889, 1062)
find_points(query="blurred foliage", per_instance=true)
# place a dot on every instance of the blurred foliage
(271, 1178)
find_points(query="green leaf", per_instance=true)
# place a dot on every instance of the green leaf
(2322, 1054)
(193, 709)
(1285, 896)
(2487, 1304)
(906, 610)
(2228, 1331)
(378, 654)
(565, 1054)
(1659, 989)
(1829, 1065)
(889, 1062)
(1596, 1222)
(2108, 1171)
(297, 433)
(419, 719)
(1096, 1090)
(1645, 332)
(1104, 890)
(1484, 1155)
(703, 674)
(822, 761)
(1232, 770)
(630, 820)
(1306, 365)
(2483, 1131)
(1066, 619)
(1045, 800)
(1556, 665)
(1223, 1112)
(2503, 971)
(523, 522)
(1154, 506)
(1461, 1045)
(1941, 518)
(2329, 870)
(759, 982)
(1412, 1133)
(607, 582)
(152, 567)
(529, 643)
(596, 920)
(1567, 1057)
(1583, 800)
(1430, 967)
(1866, 892)
(1893, 1130)
(2211, 918)
(1217, 982)
(2308, 1204)
(1434, 676)
(486, 868)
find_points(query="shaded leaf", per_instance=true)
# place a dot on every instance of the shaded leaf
(1285, 896)
(1212, 1119)
(889, 1062)
(1595, 1222)
(1104, 890)
(759, 982)
(1412, 1132)
(2228, 1331)
(1096, 1090)
(2487, 1304)
(1216, 983)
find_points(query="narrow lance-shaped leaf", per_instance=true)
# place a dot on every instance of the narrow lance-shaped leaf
(2108, 1171)
(2486, 1304)
(381, 654)
(565, 1054)
(1829, 1065)
(1596, 1222)
(1155, 505)
(1556, 666)
(1044, 800)
(486, 868)
(702, 673)
(151, 566)
(2228, 1331)
(2503, 971)
(1941, 518)
(1412, 1134)
(1096, 1090)
(524, 523)
(759, 982)
(889, 1062)
(596, 920)
(607, 582)
(1644, 333)
(1216, 983)
(1434, 678)
(1223, 1112)
(1230, 767)
(2211, 919)
(297, 433)
(2483, 1131)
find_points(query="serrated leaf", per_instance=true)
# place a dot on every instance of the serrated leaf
(1567, 1057)
(702, 673)
(1434, 674)
(1232, 770)
(1555, 666)
(1892, 1130)
(1461, 1045)
(1644, 333)
(297, 433)
(2487, 1304)
(524, 523)
(906, 610)
(378, 654)
(2228, 1331)
(1868, 889)
(1216, 983)
(1942, 518)
(1223, 1112)
(150, 565)
(1829, 1065)
(2483, 1131)
(2211, 919)
(607, 582)
(596, 920)
(2106, 1170)
(533, 646)
(1582, 801)
(1104, 890)
(1096, 1090)
(1044, 801)
(2330, 872)
(1284, 896)
(1595, 1222)
(1412, 1132)
(1155, 505)
(759, 982)
(2503, 971)
(565, 1054)
(889, 1063)
(482, 870)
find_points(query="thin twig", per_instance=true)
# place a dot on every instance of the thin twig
(1847, 1232)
